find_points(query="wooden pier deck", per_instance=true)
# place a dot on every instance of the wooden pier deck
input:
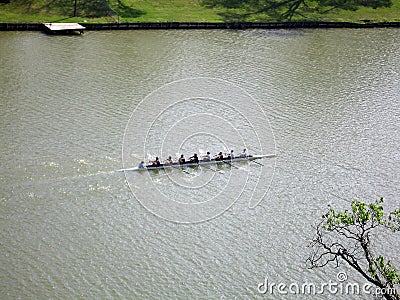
(64, 28)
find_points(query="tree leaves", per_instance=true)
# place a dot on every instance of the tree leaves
(386, 269)
(393, 221)
(345, 236)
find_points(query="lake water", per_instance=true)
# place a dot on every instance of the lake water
(76, 108)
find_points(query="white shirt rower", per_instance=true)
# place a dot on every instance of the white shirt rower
(244, 153)
(140, 165)
(168, 161)
(232, 154)
(207, 157)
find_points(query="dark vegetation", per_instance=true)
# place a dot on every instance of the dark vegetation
(287, 10)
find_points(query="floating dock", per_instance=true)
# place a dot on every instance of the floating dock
(64, 28)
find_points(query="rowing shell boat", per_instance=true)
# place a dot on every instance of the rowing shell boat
(200, 163)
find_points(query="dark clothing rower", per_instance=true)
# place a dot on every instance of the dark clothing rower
(219, 156)
(156, 163)
(194, 159)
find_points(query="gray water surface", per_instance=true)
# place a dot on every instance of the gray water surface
(70, 225)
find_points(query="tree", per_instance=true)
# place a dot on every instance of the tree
(75, 8)
(346, 237)
(287, 9)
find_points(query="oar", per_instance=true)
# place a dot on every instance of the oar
(230, 164)
(187, 172)
(211, 169)
(256, 162)
(181, 167)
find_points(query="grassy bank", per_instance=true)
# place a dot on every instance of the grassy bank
(164, 11)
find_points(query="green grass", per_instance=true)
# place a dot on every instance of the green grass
(172, 11)
(130, 11)
(166, 11)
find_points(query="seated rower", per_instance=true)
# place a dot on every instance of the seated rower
(181, 160)
(168, 161)
(219, 156)
(141, 165)
(156, 163)
(207, 157)
(231, 155)
(194, 159)
(244, 153)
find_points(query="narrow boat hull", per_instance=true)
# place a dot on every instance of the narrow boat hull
(201, 163)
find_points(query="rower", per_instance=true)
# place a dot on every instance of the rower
(156, 163)
(232, 155)
(168, 161)
(207, 157)
(181, 160)
(194, 159)
(219, 156)
(140, 165)
(244, 153)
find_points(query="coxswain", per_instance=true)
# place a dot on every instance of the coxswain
(194, 159)
(141, 165)
(207, 157)
(156, 163)
(219, 156)
(244, 153)
(181, 160)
